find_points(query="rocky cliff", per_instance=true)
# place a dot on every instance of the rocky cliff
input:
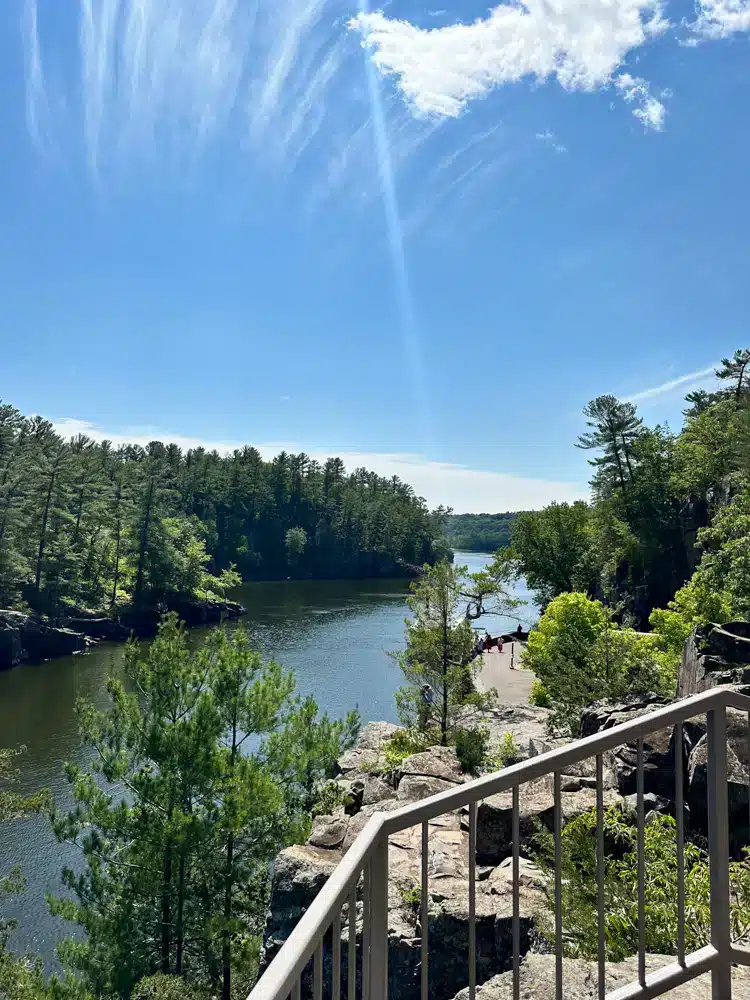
(714, 656)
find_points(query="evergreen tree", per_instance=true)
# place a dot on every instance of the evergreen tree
(614, 428)
(205, 766)
(439, 642)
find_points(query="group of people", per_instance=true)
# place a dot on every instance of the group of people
(484, 643)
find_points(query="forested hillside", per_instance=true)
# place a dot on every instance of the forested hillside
(96, 525)
(664, 542)
(479, 532)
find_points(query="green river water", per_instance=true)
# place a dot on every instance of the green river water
(335, 635)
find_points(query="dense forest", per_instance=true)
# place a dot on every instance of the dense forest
(479, 532)
(663, 543)
(90, 524)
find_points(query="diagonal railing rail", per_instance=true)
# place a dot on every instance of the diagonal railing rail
(366, 865)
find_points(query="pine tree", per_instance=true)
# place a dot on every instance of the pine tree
(734, 371)
(206, 765)
(615, 428)
(439, 641)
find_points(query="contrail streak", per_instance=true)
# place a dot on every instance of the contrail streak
(410, 336)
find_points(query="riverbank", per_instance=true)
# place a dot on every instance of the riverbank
(35, 638)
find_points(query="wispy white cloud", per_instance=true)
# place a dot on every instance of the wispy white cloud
(704, 376)
(720, 19)
(580, 44)
(466, 490)
(650, 112)
(37, 109)
(549, 138)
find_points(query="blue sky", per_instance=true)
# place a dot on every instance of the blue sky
(420, 236)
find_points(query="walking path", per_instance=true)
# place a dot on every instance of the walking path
(513, 685)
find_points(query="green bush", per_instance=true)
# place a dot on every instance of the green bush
(412, 897)
(579, 887)
(539, 695)
(162, 987)
(329, 796)
(406, 742)
(506, 753)
(581, 655)
(471, 748)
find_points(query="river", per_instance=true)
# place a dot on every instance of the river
(335, 636)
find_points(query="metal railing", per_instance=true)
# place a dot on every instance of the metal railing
(366, 862)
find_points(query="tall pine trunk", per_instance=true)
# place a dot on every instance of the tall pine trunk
(118, 533)
(43, 531)
(143, 544)
(226, 945)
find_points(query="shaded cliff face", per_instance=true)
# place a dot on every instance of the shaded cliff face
(713, 656)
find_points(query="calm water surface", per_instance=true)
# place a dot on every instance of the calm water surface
(335, 635)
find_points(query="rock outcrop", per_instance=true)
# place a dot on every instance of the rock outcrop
(715, 655)
(301, 871)
(580, 980)
(30, 637)
(34, 637)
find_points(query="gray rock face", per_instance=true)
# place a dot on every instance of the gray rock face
(580, 980)
(367, 754)
(40, 641)
(536, 805)
(300, 872)
(11, 650)
(715, 655)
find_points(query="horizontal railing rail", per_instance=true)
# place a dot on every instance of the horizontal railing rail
(360, 882)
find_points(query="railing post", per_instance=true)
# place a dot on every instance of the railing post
(718, 846)
(379, 920)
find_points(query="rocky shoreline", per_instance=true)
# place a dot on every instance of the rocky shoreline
(715, 656)
(34, 638)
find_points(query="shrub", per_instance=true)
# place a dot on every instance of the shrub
(406, 742)
(507, 753)
(580, 655)
(412, 897)
(621, 888)
(539, 695)
(329, 796)
(471, 748)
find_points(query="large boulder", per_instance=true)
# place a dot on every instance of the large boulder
(715, 655)
(536, 808)
(99, 628)
(11, 649)
(368, 754)
(580, 980)
(39, 640)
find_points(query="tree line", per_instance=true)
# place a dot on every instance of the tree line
(660, 548)
(479, 532)
(91, 524)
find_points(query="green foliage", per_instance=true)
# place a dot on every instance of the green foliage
(204, 766)
(471, 748)
(406, 742)
(84, 523)
(412, 897)
(539, 695)
(479, 532)
(439, 643)
(579, 886)
(328, 798)
(161, 987)
(581, 655)
(506, 753)
(553, 549)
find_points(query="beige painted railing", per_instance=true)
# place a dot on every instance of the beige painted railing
(365, 865)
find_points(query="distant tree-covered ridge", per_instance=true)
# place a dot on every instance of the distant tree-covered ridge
(479, 532)
(88, 523)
